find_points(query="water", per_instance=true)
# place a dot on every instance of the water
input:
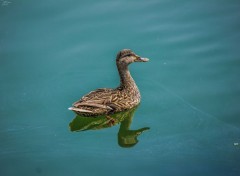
(53, 52)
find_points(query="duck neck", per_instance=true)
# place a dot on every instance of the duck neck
(126, 80)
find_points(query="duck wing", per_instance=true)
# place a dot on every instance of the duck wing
(94, 103)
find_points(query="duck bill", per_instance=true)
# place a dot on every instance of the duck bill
(141, 59)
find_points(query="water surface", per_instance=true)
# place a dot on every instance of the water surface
(53, 52)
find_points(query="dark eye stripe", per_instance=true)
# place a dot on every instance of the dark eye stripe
(130, 54)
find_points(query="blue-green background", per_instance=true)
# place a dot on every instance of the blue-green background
(53, 52)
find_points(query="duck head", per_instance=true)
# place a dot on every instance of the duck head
(127, 56)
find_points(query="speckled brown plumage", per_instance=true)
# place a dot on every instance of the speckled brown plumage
(107, 101)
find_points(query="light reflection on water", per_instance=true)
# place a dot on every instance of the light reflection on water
(126, 136)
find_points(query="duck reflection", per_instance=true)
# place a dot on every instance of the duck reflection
(126, 136)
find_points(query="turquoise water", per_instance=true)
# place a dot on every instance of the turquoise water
(54, 52)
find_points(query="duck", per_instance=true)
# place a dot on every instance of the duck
(104, 101)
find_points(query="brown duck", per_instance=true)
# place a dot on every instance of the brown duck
(108, 101)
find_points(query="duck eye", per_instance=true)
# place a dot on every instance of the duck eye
(127, 55)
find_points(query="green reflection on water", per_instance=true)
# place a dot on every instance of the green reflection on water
(126, 136)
